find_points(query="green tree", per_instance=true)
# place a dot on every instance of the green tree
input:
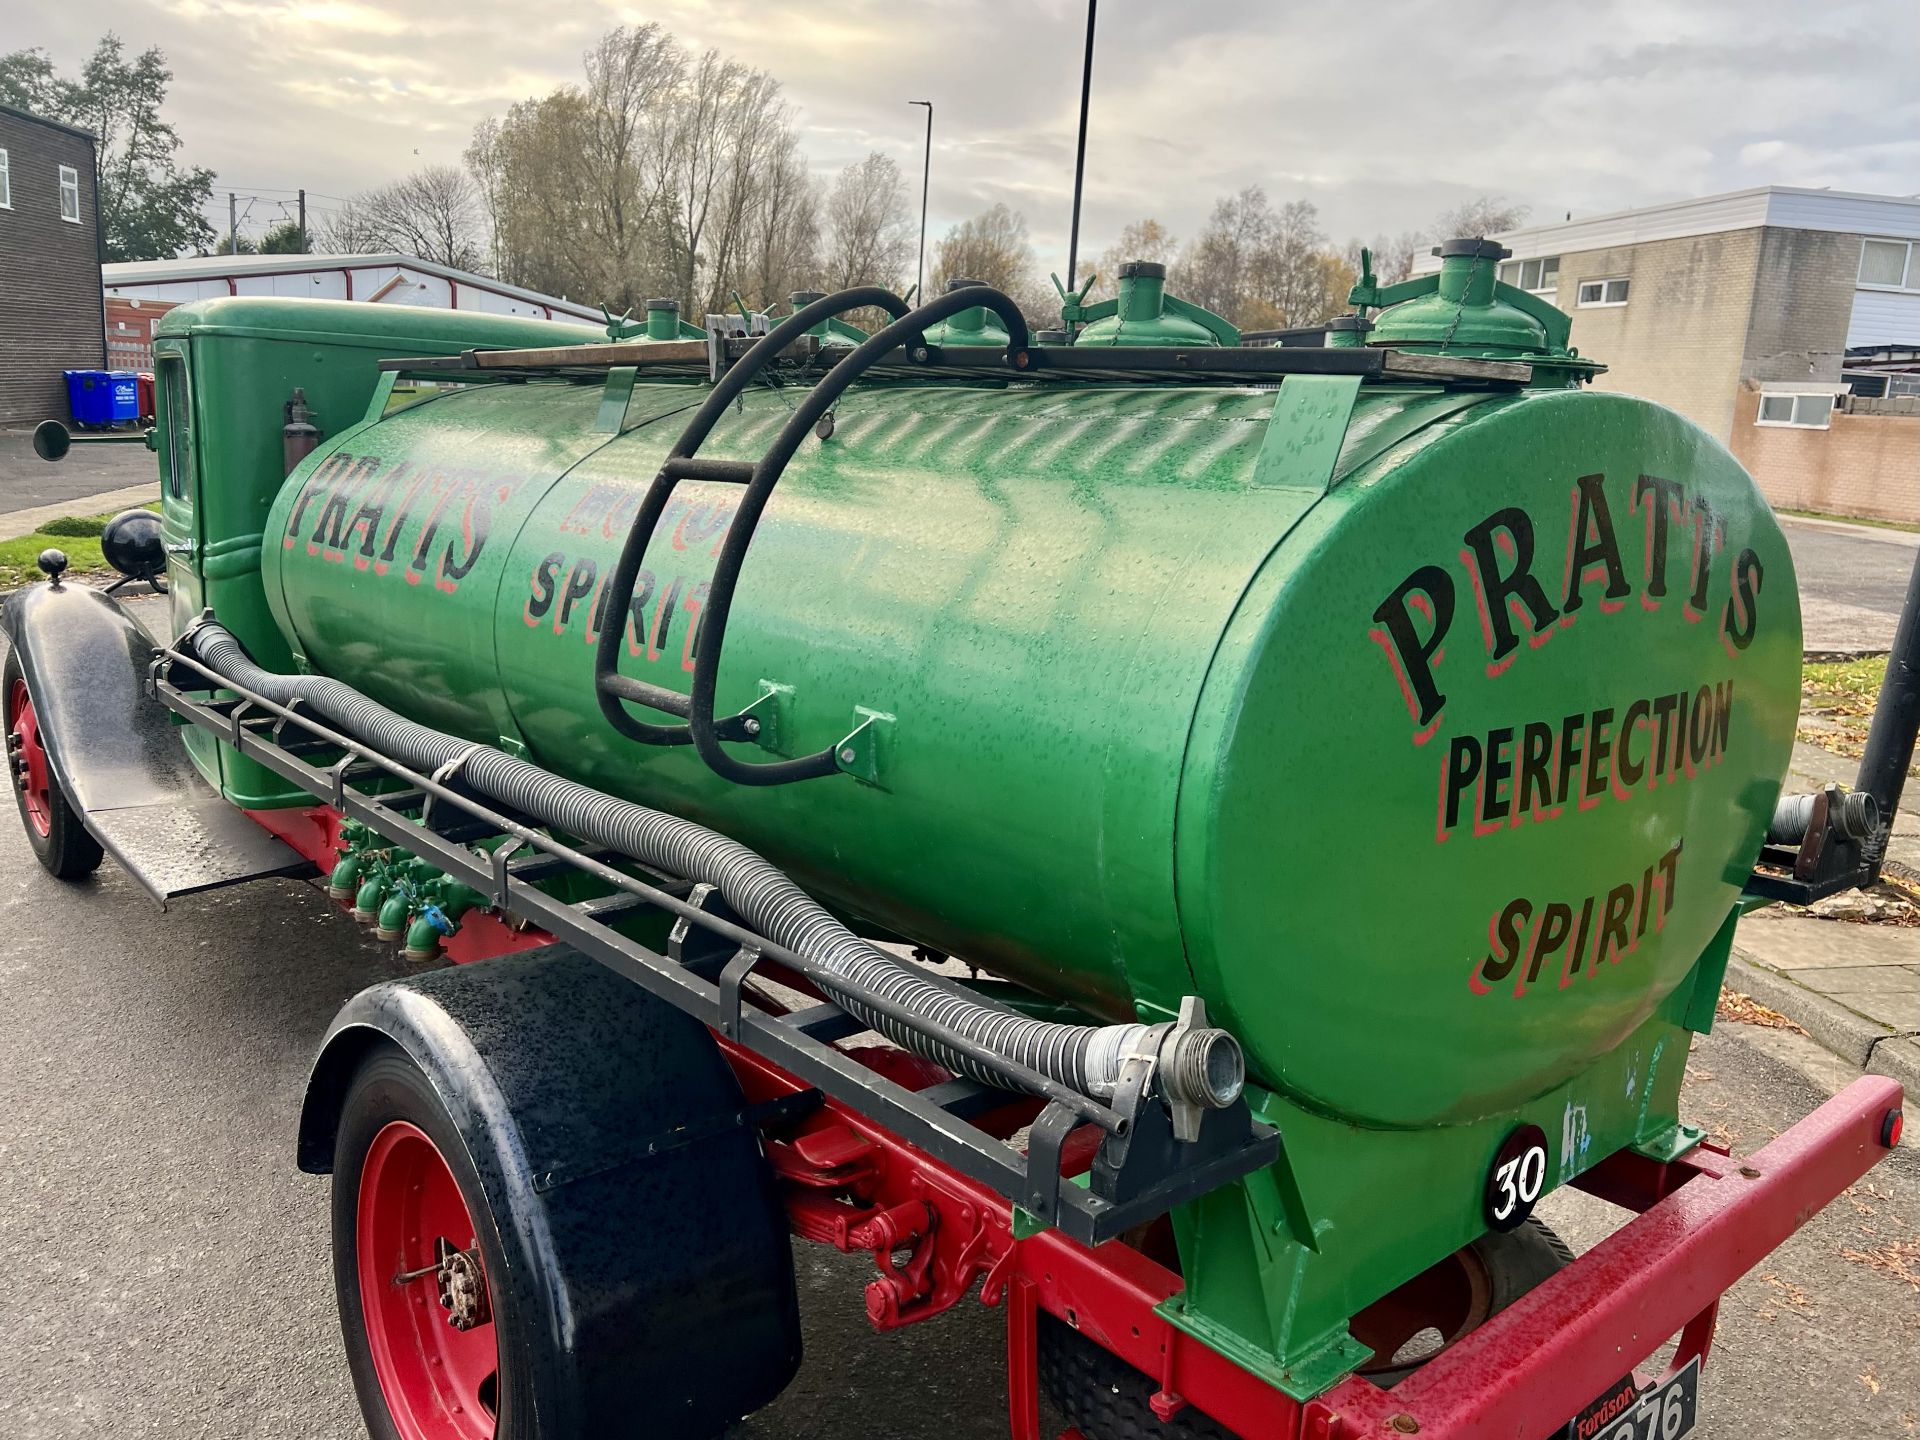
(286, 238)
(150, 206)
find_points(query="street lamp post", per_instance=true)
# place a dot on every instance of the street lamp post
(926, 168)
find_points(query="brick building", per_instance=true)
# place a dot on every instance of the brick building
(50, 311)
(1739, 310)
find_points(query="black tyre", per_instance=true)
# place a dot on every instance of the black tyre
(549, 1222)
(418, 1374)
(60, 842)
(1106, 1399)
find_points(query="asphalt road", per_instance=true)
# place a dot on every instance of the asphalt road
(164, 1270)
(1853, 580)
(27, 481)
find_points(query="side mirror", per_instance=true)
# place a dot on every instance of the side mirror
(51, 440)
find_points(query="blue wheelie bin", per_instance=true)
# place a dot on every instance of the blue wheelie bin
(90, 397)
(123, 387)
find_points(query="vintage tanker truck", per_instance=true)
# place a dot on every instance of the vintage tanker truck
(1188, 842)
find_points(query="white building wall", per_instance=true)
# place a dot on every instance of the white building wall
(1884, 317)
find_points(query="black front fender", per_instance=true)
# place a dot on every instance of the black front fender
(117, 753)
(85, 660)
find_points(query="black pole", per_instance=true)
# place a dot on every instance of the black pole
(926, 170)
(1896, 718)
(1080, 154)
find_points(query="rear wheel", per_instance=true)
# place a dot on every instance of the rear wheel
(1106, 1399)
(60, 842)
(437, 1353)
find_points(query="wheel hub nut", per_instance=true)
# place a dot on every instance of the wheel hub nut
(463, 1290)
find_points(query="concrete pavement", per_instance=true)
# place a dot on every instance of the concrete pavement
(83, 483)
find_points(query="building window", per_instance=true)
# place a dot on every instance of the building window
(1903, 385)
(1888, 265)
(1541, 276)
(70, 194)
(6, 182)
(1602, 292)
(1805, 412)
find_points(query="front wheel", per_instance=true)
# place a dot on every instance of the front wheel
(60, 842)
(435, 1349)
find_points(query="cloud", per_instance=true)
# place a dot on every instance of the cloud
(1382, 115)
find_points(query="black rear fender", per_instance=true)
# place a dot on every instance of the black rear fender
(636, 1210)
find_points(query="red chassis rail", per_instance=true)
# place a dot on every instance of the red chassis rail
(1702, 1222)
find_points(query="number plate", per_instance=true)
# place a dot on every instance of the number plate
(1665, 1412)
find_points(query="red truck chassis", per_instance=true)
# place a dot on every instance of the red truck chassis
(1701, 1222)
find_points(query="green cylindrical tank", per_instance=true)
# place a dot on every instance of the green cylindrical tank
(977, 326)
(1142, 313)
(1434, 767)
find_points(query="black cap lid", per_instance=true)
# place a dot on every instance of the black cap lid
(1050, 337)
(805, 297)
(663, 305)
(953, 285)
(1143, 270)
(1350, 322)
(1480, 249)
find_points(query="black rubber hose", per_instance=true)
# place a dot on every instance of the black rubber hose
(1206, 1068)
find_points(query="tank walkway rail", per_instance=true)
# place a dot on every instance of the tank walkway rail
(709, 358)
(1138, 1172)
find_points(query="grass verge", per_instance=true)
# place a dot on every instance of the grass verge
(1905, 525)
(77, 535)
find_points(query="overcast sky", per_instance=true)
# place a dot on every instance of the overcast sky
(1381, 114)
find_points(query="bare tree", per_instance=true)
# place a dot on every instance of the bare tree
(869, 228)
(781, 253)
(633, 79)
(1217, 268)
(659, 176)
(992, 247)
(1482, 215)
(350, 230)
(1263, 268)
(1142, 240)
(433, 214)
(1393, 255)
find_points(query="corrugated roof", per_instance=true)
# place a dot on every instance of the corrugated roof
(219, 267)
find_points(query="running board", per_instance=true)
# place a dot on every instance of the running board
(190, 845)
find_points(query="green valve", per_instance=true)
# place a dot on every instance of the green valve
(831, 331)
(1144, 314)
(976, 326)
(1348, 332)
(664, 323)
(1465, 310)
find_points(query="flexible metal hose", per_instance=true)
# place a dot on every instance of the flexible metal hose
(1206, 1066)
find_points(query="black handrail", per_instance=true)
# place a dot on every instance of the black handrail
(702, 729)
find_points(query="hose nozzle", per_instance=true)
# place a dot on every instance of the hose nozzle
(1196, 1068)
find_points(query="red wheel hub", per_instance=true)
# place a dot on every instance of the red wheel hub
(28, 758)
(423, 1292)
